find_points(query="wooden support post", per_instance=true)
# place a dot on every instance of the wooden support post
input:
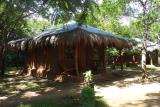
(121, 62)
(76, 63)
(104, 59)
(17, 61)
(151, 58)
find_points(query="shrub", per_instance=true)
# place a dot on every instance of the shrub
(88, 79)
(87, 97)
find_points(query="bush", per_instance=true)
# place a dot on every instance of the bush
(87, 97)
(88, 79)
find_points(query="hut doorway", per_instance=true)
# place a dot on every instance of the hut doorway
(98, 59)
(66, 59)
(95, 60)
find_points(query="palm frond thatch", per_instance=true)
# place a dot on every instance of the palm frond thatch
(72, 33)
(151, 46)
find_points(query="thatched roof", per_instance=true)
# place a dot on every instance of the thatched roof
(151, 46)
(71, 33)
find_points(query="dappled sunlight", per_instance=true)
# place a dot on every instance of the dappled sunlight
(126, 90)
(47, 89)
(14, 92)
(20, 89)
(40, 71)
(3, 98)
(133, 93)
(29, 94)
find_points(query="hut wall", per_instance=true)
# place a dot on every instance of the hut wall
(43, 62)
(152, 57)
(82, 57)
(87, 60)
(49, 61)
(155, 57)
(101, 52)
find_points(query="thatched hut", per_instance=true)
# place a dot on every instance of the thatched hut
(152, 52)
(68, 49)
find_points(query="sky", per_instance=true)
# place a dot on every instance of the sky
(125, 20)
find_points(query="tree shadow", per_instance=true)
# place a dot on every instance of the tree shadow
(120, 79)
(125, 78)
(153, 100)
(47, 90)
(34, 90)
(100, 102)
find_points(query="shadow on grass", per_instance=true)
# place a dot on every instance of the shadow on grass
(17, 89)
(100, 102)
(51, 103)
(62, 103)
(152, 101)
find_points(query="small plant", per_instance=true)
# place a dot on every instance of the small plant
(88, 79)
(87, 97)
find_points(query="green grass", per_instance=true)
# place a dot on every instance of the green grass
(100, 102)
(5, 88)
(33, 85)
(8, 69)
(153, 68)
(150, 68)
(64, 103)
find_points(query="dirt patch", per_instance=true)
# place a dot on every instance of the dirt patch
(117, 90)
(130, 92)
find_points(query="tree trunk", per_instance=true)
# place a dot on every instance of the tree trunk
(144, 53)
(121, 59)
(2, 61)
(151, 58)
(76, 63)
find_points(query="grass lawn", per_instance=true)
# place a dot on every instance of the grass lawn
(50, 104)
(153, 68)
(63, 103)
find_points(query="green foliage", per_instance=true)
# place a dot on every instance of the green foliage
(37, 26)
(155, 32)
(88, 76)
(107, 17)
(33, 85)
(131, 52)
(87, 97)
(100, 103)
(112, 52)
(50, 103)
(11, 58)
(8, 69)
(146, 20)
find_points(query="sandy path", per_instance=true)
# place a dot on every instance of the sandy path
(132, 95)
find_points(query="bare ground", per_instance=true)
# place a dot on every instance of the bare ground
(131, 92)
(117, 90)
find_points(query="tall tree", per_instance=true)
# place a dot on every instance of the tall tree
(147, 12)
(107, 16)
